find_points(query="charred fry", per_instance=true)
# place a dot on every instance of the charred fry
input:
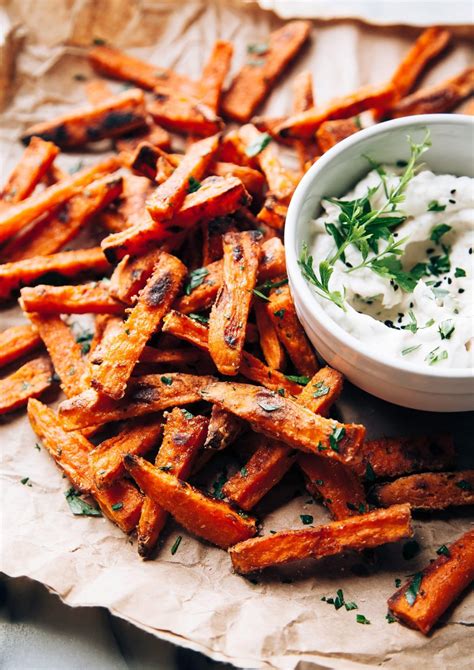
(428, 490)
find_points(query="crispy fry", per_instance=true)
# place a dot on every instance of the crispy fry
(152, 134)
(182, 440)
(303, 100)
(103, 322)
(65, 264)
(25, 212)
(282, 313)
(63, 349)
(272, 264)
(81, 299)
(130, 205)
(223, 429)
(305, 124)
(330, 133)
(98, 90)
(252, 179)
(273, 213)
(111, 374)
(212, 234)
(138, 437)
(232, 150)
(322, 391)
(29, 171)
(146, 394)
(440, 98)
(389, 457)
(209, 88)
(17, 341)
(121, 502)
(183, 113)
(256, 79)
(272, 349)
(213, 520)
(53, 232)
(428, 490)
(29, 381)
(144, 161)
(169, 196)
(283, 419)
(131, 275)
(229, 315)
(119, 65)
(265, 468)
(114, 116)
(421, 601)
(176, 358)
(217, 196)
(357, 533)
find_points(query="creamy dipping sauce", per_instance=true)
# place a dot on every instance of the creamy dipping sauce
(431, 324)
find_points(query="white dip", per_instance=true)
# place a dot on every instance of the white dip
(433, 323)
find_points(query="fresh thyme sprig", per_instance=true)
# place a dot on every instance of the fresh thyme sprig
(361, 226)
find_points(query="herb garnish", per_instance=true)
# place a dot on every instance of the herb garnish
(257, 48)
(413, 588)
(117, 506)
(446, 329)
(409, 350)
(243, 471)
(413, 326)
(434, 206)
(187, 414)
(464, 485)
(280, 313)
(298, 379)
(25, 481)
(360, 618)
(218, 485)
(435, 356)
(459, 272)
(398, 582)
(195, 279)
(443, 551)
(176, 544)
(267, 286)
(267, 406)
(78, 506)
(369, 473)
(84, 339)
(258, 145)
(438, 232)
(361, 226)
(199, 318)
(321, 390)
(166, 380)
(306, 519)
(336, 436)
(193, 185)
(390, 618)
(339, 601)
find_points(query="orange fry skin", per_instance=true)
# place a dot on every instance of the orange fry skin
(129, 206)
(170, 195)
(146, 394)
(389, 457)
(303, 99)
(110, 376)
(29, 171)
(18, 216)
(137, 437)
(213, 520)
(182, 440)
(217, 196)
(272, 349)
(121, 502)
(256, 79)
(114, 116)
(283, 419)
(212, 234)
(357, 533)
(442, 581)
(209, 89)
(282, 314)
(17, 341)
(322, 391)
(131, 275)
(428, 490)
(273, 212)
(78, 299)
(183, 113)
(229, 314)
(53, 232)
(223, 429)
(330, 133)
(29, 381)
(63, 349)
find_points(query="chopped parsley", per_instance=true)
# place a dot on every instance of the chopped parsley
(464, 485)
(398, 582)
(261, 290)
(280, 313)
(413, 589)
(187, 414)
(193, 185)
(78, 506)
(438, 231)
(117, 506)
(435, 356)
(336, 436)
(25, 481)
(166, 468)
(446, 329)
(298, 379)
(267, 406)
(360, 618)
(199, 318)
(459, 272)
(443, 551)
(258, 145)
(243, 471)
(409, 350)
(176, 544)
(369, 473)
(434, 206)
(195, 279)
(413, 326)
(390, 618)
(166, 380)
(258, 48)
(85, 339)
(321, 390)
(37, 446)
(306, 519)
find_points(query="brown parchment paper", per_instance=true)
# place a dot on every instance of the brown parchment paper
(192, 598)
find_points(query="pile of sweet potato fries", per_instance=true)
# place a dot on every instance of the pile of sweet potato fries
(197, 346)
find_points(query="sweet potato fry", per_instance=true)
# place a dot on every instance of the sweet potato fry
(428, 490)
(252, 179)
(282, 314)
(112, 117)
(357, 533)
(131, 275)
(169, 196)
(256, 79)
(111, 374)
(137, 437)
(305, 124)
(146, 394)
(202, 296)
(144, 161)
(209, 89)
(119, 65)
(229, 314)
(213, 520)
(183, 113)
(330, 133)
(17, 341)
(29, 171)
(23, 213)
(53, 232)
(265, 468)
(152, 133)
(303, 100)
(121, 502)
(97, 90)
(435, 99)
(217, 196)
(63, 349)
(29, 381)
(273, 212)
(232, 150)
(121, 214)
(176, 358)
(182, 440)
(390, 457)
(283, 419)
(223, 429)
(103, 322)
(322, 391)
(272, 349)
(212, 234)
(429, 593)
(92, 298)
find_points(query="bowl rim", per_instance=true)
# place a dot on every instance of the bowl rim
(300, 285)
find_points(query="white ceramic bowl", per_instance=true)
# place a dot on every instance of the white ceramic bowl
(415, 386)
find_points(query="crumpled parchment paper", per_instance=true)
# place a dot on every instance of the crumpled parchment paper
(192, 598)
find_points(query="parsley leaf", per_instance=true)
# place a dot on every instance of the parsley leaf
(443, 551)
(336, 436)
(199, 318)
(438, 231)
(434, 206)
(306, 519)
(258, 48)
(85, 339)
(459, 272)
(413, 589)
(435, 356)
(78, 506)
(193, 185)
(267, 406)
(258, 145)
(321, 390)
(117, 506)
(195, 279)
(390, 618)
(166, 380)
(360, 618)
(464, 485)
(446, 329)
(176, 544)
(369, 473)
(298, 379)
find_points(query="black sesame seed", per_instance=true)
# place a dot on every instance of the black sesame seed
(411, 305)
(400, 314)
(470, 251)
(388, 323)
(452, 191)
(460, 290)
(453, 202)
(395, 287)
(349, 265)
(450, 281)
(395, 234)
(430, 251)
